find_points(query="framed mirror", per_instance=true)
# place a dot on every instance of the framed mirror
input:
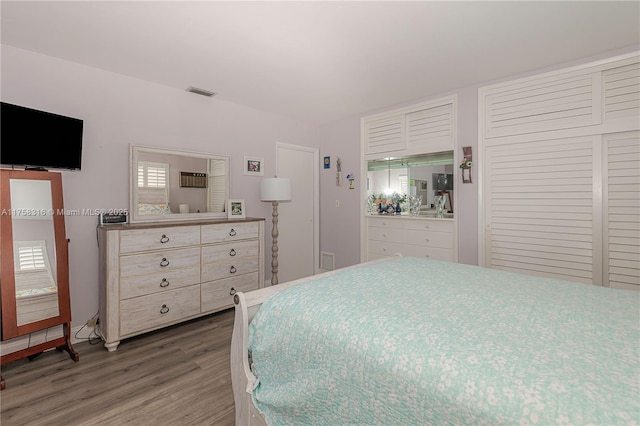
(174, 185)
(35, 280)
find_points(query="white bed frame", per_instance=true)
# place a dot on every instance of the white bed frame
(243, 380)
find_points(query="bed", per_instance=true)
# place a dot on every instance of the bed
(418, 341)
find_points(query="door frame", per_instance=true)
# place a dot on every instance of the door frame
(316, 195)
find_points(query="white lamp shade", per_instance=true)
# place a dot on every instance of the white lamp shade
(275, 189)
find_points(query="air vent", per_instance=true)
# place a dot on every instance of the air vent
(199, 91)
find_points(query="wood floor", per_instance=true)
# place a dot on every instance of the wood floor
(175, 376)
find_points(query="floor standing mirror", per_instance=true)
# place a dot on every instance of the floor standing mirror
(34, 274)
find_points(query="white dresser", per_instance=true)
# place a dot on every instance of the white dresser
(410, 236)
(156, 275)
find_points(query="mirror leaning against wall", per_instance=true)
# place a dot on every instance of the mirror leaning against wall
(174, 185)
(34, 273)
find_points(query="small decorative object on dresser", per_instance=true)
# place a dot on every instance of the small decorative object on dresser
(155, 275)
(235, 209)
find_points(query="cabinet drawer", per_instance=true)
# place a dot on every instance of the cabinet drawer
(149, 312)
(438, 225)
(229, 232)
(385, 222)
(384, 248)
(158, 238)
(429, 252)
(386, 235)
(219, 294)
(161, 261)
(430, 239)
(227, 269)
(140, 285)
(229, 251)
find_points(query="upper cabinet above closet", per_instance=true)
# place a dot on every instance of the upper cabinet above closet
(423, 128)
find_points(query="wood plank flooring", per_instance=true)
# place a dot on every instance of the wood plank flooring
(175, 376)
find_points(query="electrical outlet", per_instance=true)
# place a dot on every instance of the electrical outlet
(92, 322)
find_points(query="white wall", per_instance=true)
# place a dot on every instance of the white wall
(119, 111)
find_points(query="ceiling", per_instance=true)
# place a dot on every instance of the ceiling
(320, 61)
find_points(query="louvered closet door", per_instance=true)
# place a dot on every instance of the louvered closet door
(621, 203)
(539, 208)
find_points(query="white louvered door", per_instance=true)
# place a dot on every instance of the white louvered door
(539, 208)
(430, 130)
(621, 205)
(384, 135)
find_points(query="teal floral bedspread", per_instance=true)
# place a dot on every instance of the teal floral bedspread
(414, 342)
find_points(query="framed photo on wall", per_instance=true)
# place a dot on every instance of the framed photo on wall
(253, 166)
(235, 209)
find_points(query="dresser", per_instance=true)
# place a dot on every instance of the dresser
(410, 236)
(154, 275)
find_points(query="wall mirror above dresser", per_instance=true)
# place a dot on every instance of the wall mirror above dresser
(169, 185)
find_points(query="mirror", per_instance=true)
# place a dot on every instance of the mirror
(34, 258)
(176, 185)
(428, 176)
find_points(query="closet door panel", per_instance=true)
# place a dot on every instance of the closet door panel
(621, 206)
(621, 92)
(540, 208)
(543, 104)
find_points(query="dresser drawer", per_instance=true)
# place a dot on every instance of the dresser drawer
(149, 312)
(227, 269)
(385, 249)
(140, 285)
(158, 238)
(219, 294)
(229, 232)
(229, 251)
(385, 222)
(430, 239)
(161, 261)
(386, 235)
(438, 225)
(429, 252)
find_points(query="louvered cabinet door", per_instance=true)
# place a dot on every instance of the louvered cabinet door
(544, 104)
(384, 135)
(539, 209)
(430, 130)
(621, 86)
(621, 205)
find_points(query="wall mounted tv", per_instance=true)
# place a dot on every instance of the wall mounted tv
(38, 139)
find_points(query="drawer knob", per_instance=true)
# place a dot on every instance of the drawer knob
(164, 262)
(426, 239)
(232, 270)
(384, 235)
(427, 255)
(232, 252)
(164, 309)
(164, 239)
(164, 283)
(232, 233)
(232, 291)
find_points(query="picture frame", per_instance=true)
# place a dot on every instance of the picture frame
(235, 209)
(253, 166)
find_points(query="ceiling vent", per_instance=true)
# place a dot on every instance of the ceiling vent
(199, 91)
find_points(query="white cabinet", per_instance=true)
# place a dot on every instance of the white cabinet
(419, 129)
(154, 276)
(410, 236)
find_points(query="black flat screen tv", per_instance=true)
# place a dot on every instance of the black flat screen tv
(38, 139)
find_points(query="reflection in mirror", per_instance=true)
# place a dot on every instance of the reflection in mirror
(175, 185)
(427, 176)
(34, 250)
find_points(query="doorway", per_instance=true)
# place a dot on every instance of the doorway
(298, 221)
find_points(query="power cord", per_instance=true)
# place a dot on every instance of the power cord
(94, 337)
